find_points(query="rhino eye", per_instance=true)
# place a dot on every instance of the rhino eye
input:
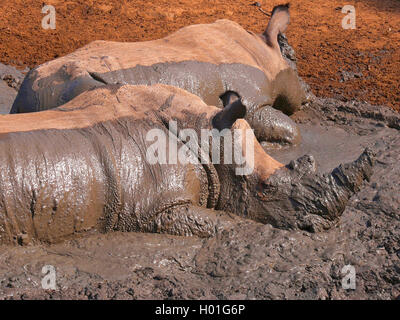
(268, 187)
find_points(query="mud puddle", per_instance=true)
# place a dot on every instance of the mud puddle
(329, 145)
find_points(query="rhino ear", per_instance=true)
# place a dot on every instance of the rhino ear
(228, 97)
(278, 23)
(227, 116)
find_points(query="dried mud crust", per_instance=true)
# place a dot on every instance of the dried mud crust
(251, 260)
(361, 64)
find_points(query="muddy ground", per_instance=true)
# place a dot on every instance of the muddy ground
(251, 261)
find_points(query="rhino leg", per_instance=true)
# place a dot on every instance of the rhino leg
(191, 220)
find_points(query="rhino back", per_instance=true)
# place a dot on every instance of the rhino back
(204, 59)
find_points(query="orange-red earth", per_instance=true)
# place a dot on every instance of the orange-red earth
(361, 63)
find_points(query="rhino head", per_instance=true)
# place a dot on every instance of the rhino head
(294, 196)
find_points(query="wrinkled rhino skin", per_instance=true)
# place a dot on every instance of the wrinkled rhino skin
(65, 176)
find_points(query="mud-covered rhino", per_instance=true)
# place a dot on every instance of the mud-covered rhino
(82, 167)
(208, 60)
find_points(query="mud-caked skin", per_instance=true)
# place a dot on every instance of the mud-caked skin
(83, 167)
(297, 197)
(206, 60)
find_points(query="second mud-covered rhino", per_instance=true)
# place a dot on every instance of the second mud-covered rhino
(208, 60)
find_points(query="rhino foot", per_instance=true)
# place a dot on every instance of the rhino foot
(191, 220)
(298, 198)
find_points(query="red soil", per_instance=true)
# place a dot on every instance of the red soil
(324, 49)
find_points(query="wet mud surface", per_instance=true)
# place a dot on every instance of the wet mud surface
(251, 260)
